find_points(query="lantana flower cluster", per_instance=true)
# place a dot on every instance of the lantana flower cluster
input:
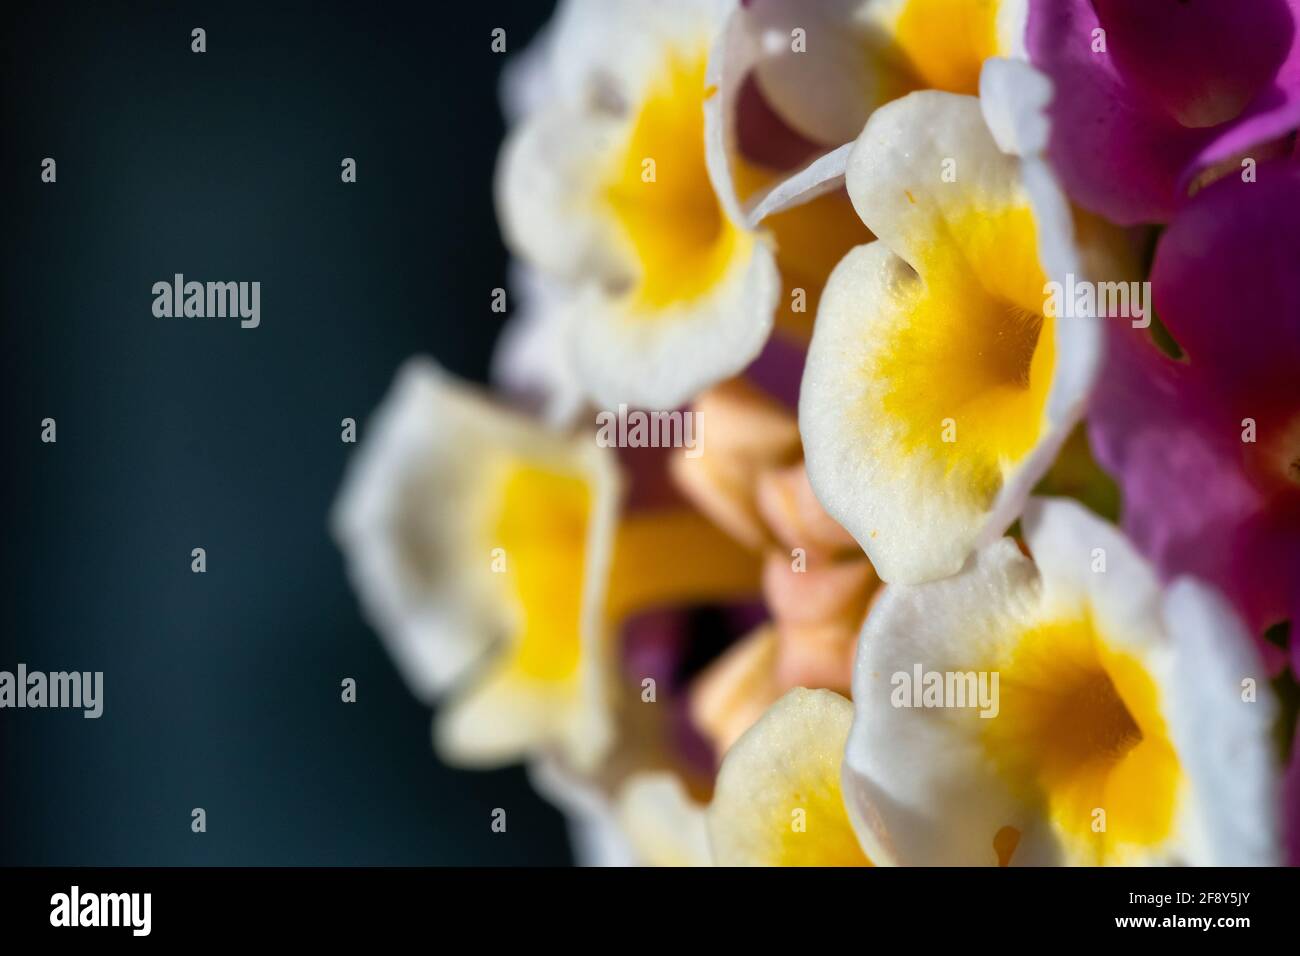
(894, 448)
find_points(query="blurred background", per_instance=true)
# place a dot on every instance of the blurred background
(222, 690)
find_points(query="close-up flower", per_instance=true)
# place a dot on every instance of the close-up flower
(652, 434)
(892, 449)
(779, 121)
(936, 390)
(604, 187)
(1058, 708)
(495, 557)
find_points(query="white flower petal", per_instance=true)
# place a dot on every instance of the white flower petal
(777, 801)
(614, 48)
(734, 55)
(660, 361)
(730, 59)
(1014, 97)
(404, 597)
(936, 393)
(596, 835)
(527, 79)
(1086, 563)
(456, 565)
(1108, 730)
(661, 820)
(1226, 739)
(607, 188)
(530, 360)
(918, 782)
(823, 175)
(828, 91)
(548, 210)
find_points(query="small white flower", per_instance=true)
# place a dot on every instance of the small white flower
(494, 556)
(1118, 731)
(479, 540)
(604, 187)
(936, 390)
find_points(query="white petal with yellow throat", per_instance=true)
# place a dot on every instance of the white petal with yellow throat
(479, 543)
(936, 391)
(1033, 712)
(608, 187)
(778, 799)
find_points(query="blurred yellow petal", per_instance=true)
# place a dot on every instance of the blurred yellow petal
(943, 44)
(676, 557)
(548, 540)
(683, 239)
(469, 529)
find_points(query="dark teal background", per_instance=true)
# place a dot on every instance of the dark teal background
(222, 689)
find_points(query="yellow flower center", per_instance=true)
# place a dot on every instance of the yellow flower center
(932, 45)
(661, 196)
(1081, 733)
(814, 826)
(970, 358)
(945, 42)
(541, 526)
(539, 516)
